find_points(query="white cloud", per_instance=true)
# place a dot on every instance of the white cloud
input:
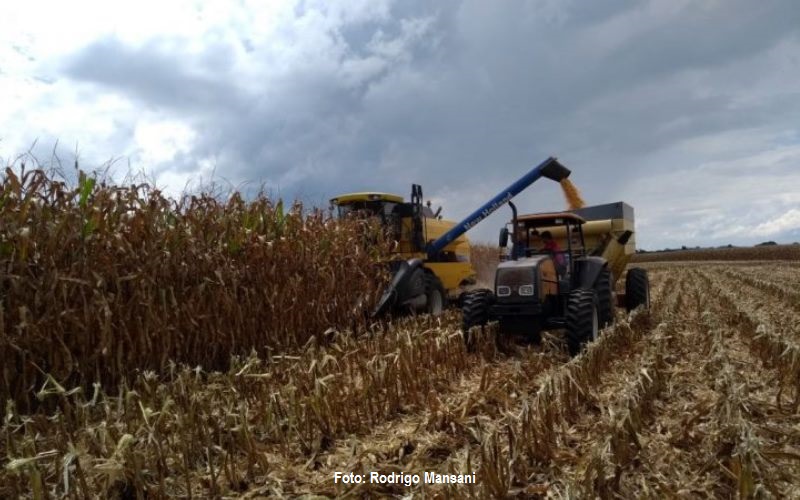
(790, 221)
(160, 140)
(175, 183)
(722, 201)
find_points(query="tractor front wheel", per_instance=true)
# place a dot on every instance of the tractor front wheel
(475, 312)
(583, 322)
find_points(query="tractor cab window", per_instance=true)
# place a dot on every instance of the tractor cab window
(576, 239)
(536, 239)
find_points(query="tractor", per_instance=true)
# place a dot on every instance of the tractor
(560, 274)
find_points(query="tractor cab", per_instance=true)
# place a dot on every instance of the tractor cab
(558, 235)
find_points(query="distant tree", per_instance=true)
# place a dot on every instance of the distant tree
(683, 247)
(766, 244)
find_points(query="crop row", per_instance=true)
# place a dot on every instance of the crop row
(158, 435)
(780, 290)
(534, 435)
(775, 348)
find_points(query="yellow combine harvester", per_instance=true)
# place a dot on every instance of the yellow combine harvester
(413, 226)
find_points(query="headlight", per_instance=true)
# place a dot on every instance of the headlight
(503, 291)
(526, 290)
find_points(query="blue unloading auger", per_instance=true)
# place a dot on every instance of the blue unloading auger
(550, 168)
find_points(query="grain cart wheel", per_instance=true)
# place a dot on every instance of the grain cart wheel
(435, 295)
(605, 298)
(583, 322)
(475, 311)
(637, 289)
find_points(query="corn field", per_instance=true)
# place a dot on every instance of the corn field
(207, 349)
(102, 283)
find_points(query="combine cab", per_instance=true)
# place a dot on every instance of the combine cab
(561, 273)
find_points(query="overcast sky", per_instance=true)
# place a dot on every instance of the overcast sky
(689, 111)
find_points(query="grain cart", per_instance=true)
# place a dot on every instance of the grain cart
(432, 261)
(572, 287)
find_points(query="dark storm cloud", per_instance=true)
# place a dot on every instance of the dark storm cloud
(156, 75)
(464, 96)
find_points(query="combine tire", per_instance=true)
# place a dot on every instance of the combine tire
(435, 295)
(605, 298)
(637, 289)
(583, 322)
(475, 311)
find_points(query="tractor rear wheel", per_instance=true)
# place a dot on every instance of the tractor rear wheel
(435, 295)
(637, 289)
(475, 312)
(583, 323)
(605, 298)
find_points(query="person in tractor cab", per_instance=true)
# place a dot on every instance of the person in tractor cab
(520, 243)
(575, 237)
(527, 242)
(551, 245)
(535, 239)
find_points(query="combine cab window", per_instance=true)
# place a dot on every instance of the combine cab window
(382, 209)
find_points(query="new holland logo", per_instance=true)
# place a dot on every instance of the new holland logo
(486, 212)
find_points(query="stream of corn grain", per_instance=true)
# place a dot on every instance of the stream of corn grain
(572, 194)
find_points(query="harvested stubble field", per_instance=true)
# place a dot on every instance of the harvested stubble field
(766, 252)
(698, 397)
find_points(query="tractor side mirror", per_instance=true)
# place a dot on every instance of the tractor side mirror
(503, 237)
